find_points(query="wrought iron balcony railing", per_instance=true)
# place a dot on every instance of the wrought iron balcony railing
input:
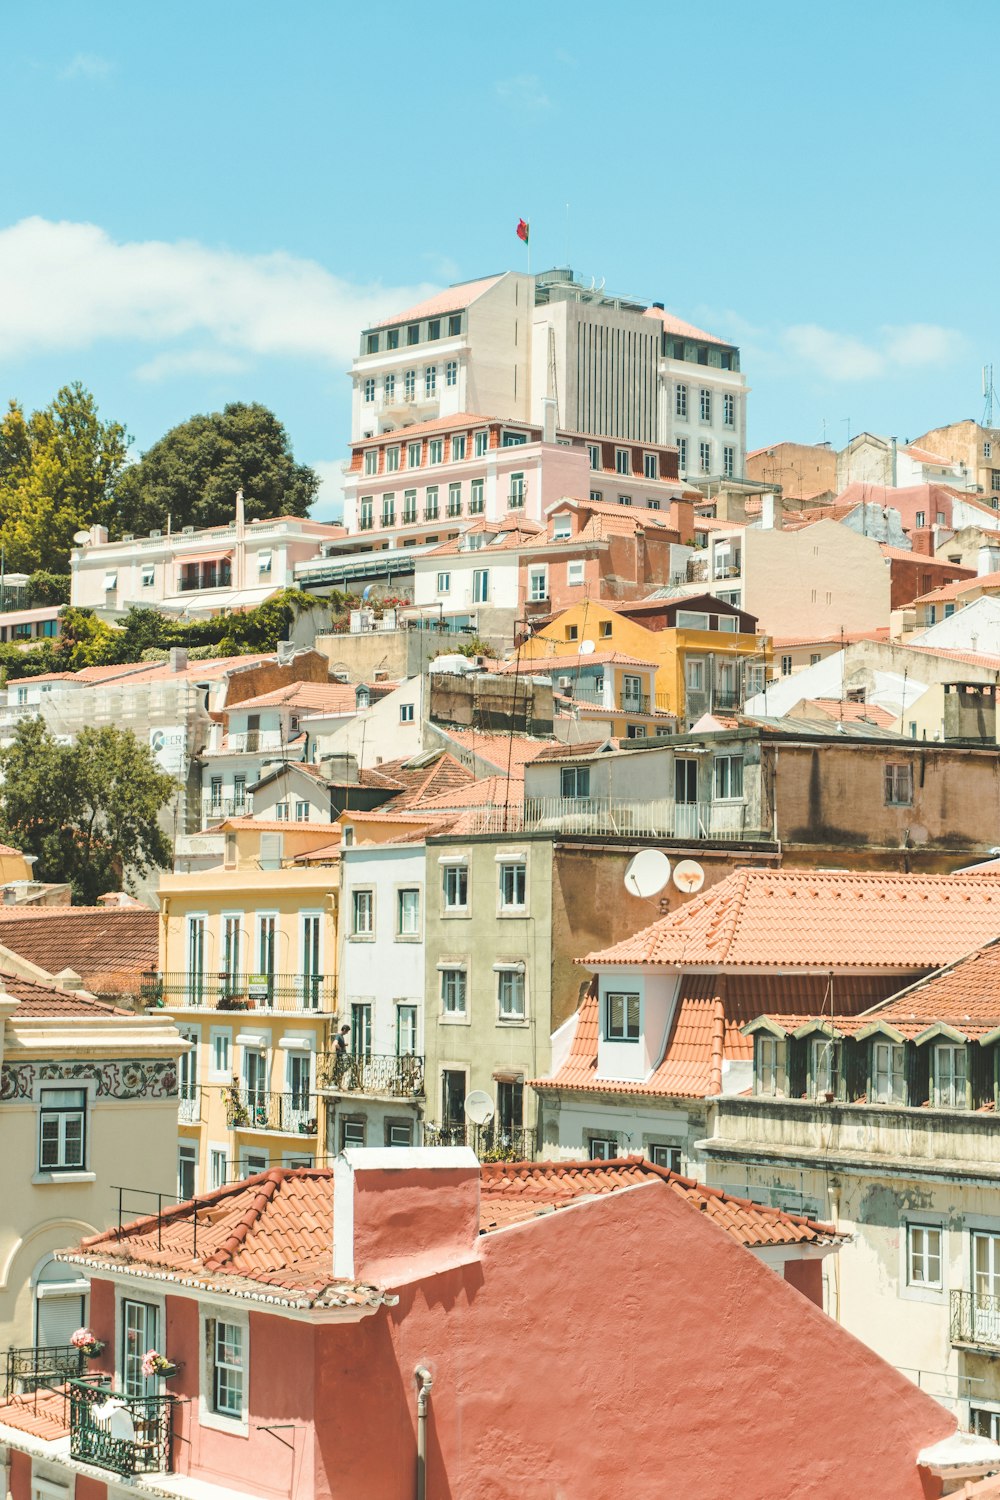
(268, 992)
(254, 1109)
(33, 1366)
(126, 1434)
(372, 1073)
(188, 1105)
(214, 809)
(492, 1142)
(975, 1319)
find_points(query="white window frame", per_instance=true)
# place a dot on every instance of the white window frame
(435, 451)
(505, 907)
(725, 776)
(371, 461)
(455, 868)
(895, 1094)
(512, 977)
(538, 583)
(898, 784)
(217, 1150)
(481, 586)
(358, 907)
(406, 713)
(680, 400)
(208, 1416)
(629, 1030)
(575, 777)
(922, 1291)
(575, 573)
(403, 933)
(954, 1095)
(705, 404)
(768, 1068)
(148, 575)
(454, 1013)
(444, 583)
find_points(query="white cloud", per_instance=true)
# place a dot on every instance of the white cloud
(70, 285)
(523, 93)
(843, 357)
(87, 65)
(191, 362)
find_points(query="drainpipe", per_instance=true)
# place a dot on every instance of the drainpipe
(425, 1379)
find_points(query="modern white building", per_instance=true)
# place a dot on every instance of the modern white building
(615, 367)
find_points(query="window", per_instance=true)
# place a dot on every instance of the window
(562, 527)
(572, 632)
(695, 676)
(430, 380)
(920, 518)
(389, 387)
(371, 460)
(281, 811)
(371, 343)
(455, 884)
(705, 405)
(365, 516)
(451, 372)
(825, 1055)
(574, 572)
(602, 1147)
(984, 1421)
(786, 666)
(605, 628)
(139, 1330)
(227, 1367)
(413, 334)
(624, 499)
(444, 583)
(728, 461)
(110, 580)
(370, 389)
(409, 384)
(666, 1156)
(455, 499)
(409, 506)
(413, 451)
(682, 454)
(635, 731)
(513, 884)
(513, 439)
(406, 713)
(453, 992)
(431, 503)
(510, 993)
(218, 1167)
(623, 461)
(621, 1018)
(435, 451)
(705, 457)
(481, 586)
(649, 465)
(392, 339)
(538, 584)
(62, 1127)
(767, 1065)
(681, 400)
(594, 450)
(995, 479)
(480, 443)
(408, 912)
(574, 781)
(302, 812)
(352, 1133)
(363, 903)
(517, 491)
(148, 575)
(434, 328)
(454, 324)
(923, 1256)
(987, 450)
(221, 1054)
(391, 460)
(458, 447)
(187, 1171)
(950, 1074)
(476, 505)
(406, 1030)
(888, 1073)
(729, 410)
(389, 510)
(898, 786)
(728, 777)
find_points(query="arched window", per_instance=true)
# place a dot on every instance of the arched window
(60, 1303)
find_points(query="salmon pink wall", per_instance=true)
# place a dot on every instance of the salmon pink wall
(90, 1489)
(404, 1221)
(19, 1479)
(624, 1346)
(102, 1325)
(807, 1277)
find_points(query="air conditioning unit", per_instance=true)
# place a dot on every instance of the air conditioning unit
(566, 683)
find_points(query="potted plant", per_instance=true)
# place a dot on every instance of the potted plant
(236, 1111)
(154, 1363)
(89, 1346)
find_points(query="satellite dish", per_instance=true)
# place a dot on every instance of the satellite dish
(479, 1107)
(647, 873)
(689, 876)
(587, 648)
(81, 536)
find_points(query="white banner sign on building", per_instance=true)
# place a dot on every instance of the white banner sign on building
(169, 746)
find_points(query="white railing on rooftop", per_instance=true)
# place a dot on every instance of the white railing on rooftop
(663, 818)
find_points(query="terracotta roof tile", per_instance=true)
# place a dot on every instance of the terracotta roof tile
(452, 299)
(960, 586)
(498, 750)
(677, 326)
(820, 918)
(316, 697)
(848, 711)
(43, 1414)
(39, 1001)
(109, 947)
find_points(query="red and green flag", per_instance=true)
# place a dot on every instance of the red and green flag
(522, 230)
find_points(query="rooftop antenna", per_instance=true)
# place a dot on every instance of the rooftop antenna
(989, 396)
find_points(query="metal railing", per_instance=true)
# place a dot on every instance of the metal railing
(149, 1450)
(268, 992)
(975, 1319)
(492, 1142)
(372, 1073)
(35, 1365)
(658, 819)
(625, 703)
(254, 1109)
(188, 1105)
(215, 808)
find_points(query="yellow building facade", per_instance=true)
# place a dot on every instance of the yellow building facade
(248, 972)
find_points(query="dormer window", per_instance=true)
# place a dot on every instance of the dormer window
(362, 698)
(950, 1077)
(621, 1017)
(768, 1065)
(825, 1059)
(562, 528)
(888, 1073)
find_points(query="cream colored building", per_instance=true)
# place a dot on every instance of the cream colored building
(971, 444)
(88, 1104)
(248, 971)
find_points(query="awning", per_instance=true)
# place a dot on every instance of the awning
(202, 557)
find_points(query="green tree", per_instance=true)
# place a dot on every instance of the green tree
(48, 588)
(88, 810)
(193, 472)
(58, 471)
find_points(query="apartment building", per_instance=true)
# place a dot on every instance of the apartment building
(248, 972)
(614, 367)
(799, 471)
(973, 446)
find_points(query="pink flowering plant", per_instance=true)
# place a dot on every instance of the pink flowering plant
(84, 1340)
(154, 1363)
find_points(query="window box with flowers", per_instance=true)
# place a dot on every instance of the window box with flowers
(155, 1363)
(89, 1346)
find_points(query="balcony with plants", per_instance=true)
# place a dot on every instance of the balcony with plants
(374, 1074)
(291, 993)
(290, 1113)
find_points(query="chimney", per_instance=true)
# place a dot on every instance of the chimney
(341, 769)
(922, 540)
(98, 536)
(772, 516)
(548, 419)
(401, 1213)
(178, 658)
(682, 521)
(988, 559)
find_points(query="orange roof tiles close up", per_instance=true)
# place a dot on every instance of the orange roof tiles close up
(109, 947)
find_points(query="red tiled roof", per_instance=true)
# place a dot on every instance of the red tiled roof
(488, 791)
(959, 587)
(846, 638)
(970, 658)
(900, 554)
(677, 326)
(108, 946)
(820, 919)
(322, 697)
(539, 665)
(39, 1001)
(418, 783)
(42, 1414)
(498, 750)
(850, 712)
(452, 299)
(639, 515)
(512, 1191)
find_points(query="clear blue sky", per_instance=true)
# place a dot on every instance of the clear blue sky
(203, 202)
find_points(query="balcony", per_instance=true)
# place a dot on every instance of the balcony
(127, 1434)
(214, 809)
(492, 1142)
(625, 703)
(188, 1105)
(372, 1073)
(264, 992)
(607, 815)
(33, 1367)
(975, 1320)
(253, 1109)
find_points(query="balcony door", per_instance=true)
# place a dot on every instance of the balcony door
(685, 798)
(311, 959)
(986, 1287)
(299, 1088)
(632, 694)
(196, 960)
(452, 1097)
(255, 1082)
(140, 1330)
(361, 1029)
